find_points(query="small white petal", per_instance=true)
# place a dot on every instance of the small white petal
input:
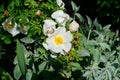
(49, 22)
(63, 52)
(61, 30)
(57, 14)
(14, 30)
(45, 46)
(60, 20)
(68, 36)
(53, 55)
(67, 47)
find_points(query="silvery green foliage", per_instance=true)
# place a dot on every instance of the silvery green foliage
(102, 46)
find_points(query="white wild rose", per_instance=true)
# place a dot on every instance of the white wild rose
(12, 28)
(59, 42)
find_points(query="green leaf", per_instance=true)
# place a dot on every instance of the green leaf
(17, 72)
(42, 66)
(118, 48)
(30, 3)
(17, 2)
(83, 53)
(109, 74)
(79, 17)
(11, 6)
(103, 58)
(27, 40)
(7, 41)
(96, 55)
(105, 46)
(1, 7)
(67, 74)
(15, 60)
(87, 73)
(97, 25)
(74, 7)
(5, 75)
(75, 66)
(21, 58)
(89, 21)
(117, 78)
(107, 27)
(92, 42)
(29, 75)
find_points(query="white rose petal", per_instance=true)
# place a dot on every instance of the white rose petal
(45, 46)
(14, 31)
(67, 48)
(68, 36)
(60, 17)
(53, 55)
(49, 27)
(73, 26)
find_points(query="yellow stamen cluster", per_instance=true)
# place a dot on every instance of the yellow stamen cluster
(9, 26)
(58, 40)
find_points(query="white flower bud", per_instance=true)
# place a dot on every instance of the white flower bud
(38, 13)
(60, 3)
(73, 26)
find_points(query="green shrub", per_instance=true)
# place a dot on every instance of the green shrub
(73, 48)
(110, 8)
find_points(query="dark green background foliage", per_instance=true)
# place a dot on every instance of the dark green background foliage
(109, 9)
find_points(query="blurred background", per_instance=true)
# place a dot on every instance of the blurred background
(106, 11)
